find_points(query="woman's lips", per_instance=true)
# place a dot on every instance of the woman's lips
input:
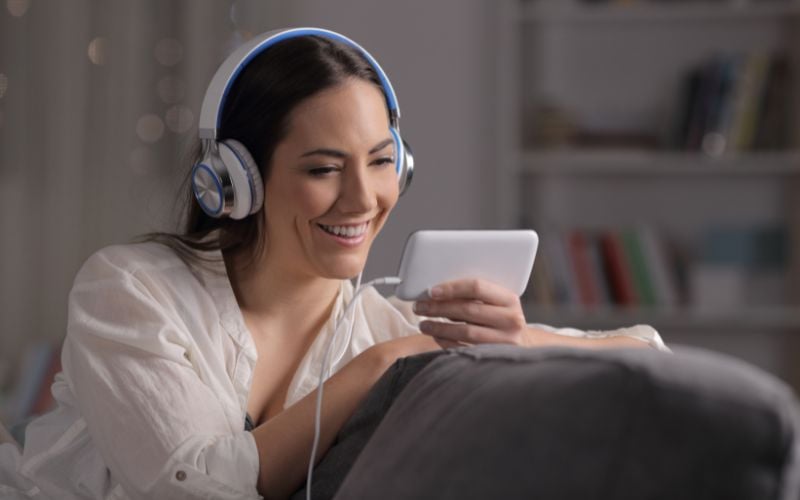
(348, 235)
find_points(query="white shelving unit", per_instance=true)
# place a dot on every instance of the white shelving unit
(623, 62)
(714, 10)
(680, 318)
(648, 163)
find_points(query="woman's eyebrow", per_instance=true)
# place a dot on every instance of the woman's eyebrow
(341, 154)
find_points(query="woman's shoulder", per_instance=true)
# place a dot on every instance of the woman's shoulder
(130, 259)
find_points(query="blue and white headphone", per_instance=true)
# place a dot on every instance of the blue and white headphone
(226, 181)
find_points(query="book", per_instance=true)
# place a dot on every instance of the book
(599, 271)
(541, 288)
(775, 116)
(720, 108)
(564, 286)
(661, 269)
(588, 287)
(640, 272)
(749, 109)
(617, 269)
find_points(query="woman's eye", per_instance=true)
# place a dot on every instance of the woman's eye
(386, 160)
(322, 171)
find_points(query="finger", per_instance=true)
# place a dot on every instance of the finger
(448, 344)
(474, 289)
(472, 334)
(478, 313)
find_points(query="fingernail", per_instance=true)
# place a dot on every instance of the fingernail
(420, 307)
(435, 292)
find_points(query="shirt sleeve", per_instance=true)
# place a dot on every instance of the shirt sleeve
(161, 430)
(644, 333)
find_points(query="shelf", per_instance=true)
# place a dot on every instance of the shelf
(750, 318)
(631, 162)
(571, 11)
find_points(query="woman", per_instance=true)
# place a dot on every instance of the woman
(191, 360)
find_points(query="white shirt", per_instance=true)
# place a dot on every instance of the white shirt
(157, 369)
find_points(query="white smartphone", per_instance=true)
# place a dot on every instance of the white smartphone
(431, 257)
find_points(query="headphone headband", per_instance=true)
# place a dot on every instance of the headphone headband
(236, 61)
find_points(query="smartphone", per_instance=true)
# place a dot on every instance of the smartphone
(431, 257)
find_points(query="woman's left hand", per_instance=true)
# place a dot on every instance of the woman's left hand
(483, 312)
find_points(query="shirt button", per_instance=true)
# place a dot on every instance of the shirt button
(180, 475)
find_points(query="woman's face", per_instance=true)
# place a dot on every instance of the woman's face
(332, 182)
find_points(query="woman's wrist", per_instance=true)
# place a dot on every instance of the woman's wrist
(380, 357)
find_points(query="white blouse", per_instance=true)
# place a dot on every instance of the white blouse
(157, 368)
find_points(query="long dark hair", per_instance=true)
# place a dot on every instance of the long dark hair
(256, 113)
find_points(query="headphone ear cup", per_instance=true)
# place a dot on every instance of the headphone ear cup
(407, 172)
(404, 160)
(246, 180)
(207, 186)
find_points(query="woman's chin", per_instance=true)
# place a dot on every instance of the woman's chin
(343, 269)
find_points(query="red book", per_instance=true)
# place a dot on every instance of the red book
(578, 245)
(618, 269)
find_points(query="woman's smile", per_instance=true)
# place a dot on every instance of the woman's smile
(348, 235)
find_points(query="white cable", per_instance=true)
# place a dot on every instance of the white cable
(323, 375)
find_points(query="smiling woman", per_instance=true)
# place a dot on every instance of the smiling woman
(191, 359)
(332, 182)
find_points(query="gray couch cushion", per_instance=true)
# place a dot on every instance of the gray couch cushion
(354, 435)
(505, 422)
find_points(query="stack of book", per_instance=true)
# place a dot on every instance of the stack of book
(735, 103)
(591, 269)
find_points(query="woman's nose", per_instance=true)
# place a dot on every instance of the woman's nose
(357, 192)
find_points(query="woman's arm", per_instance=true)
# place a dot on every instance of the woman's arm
(487, 313)
(538, 337)
(284, 442)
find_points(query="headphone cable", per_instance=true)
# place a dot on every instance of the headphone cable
(323, 375)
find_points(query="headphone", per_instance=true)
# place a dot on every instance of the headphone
(226, 181)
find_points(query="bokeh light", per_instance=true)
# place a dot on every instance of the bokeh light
(98, 50)
(18, 8)
(179, 118)
(245, 13)
(150, 128)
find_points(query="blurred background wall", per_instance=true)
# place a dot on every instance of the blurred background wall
(98, 112)
(521, 112)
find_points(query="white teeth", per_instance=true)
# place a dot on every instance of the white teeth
(346, 231)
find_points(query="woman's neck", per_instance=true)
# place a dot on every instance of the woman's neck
(273, 294)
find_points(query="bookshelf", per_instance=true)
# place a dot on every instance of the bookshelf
(684, 11)
(648, 163)
(683, 318)
(598, 105)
